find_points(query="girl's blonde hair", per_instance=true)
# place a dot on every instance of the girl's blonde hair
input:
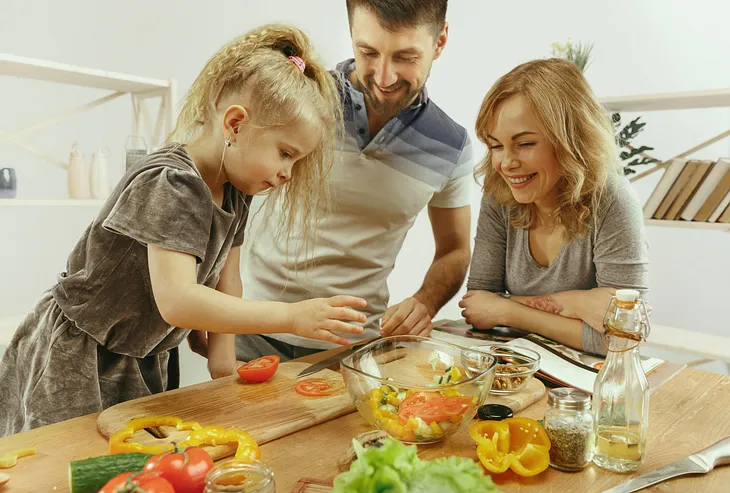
(281, 93)
(576, 125)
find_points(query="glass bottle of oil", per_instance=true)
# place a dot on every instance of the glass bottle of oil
(621, 391)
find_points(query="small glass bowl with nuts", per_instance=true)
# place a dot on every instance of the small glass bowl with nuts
(515, 366)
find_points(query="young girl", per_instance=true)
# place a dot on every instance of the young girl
(560, 228)
(162, 257)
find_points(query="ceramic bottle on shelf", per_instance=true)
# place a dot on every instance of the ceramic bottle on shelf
(99, 174)
(78, 175)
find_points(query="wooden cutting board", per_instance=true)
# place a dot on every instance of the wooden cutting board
(533, 392)
(267, 411)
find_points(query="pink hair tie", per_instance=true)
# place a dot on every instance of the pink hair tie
(298, 62)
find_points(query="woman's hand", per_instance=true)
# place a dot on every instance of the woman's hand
(486, 310)
(320, 318)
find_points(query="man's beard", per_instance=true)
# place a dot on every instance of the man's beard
(387, 108)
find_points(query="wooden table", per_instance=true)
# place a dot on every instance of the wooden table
(688, 413)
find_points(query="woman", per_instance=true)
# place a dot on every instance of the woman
(559, 228)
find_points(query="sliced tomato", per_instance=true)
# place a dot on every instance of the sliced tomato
(425, 405)
(133, 482)
(456, 405)
(315, 387)
(259, 370)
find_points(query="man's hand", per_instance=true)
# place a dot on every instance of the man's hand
(219, 368)
(410, 316)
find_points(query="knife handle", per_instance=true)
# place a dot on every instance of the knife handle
(717, 454)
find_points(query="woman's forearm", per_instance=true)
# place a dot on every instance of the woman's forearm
(586, 305)
(558, 328)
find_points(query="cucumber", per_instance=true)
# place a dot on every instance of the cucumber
(90, 475)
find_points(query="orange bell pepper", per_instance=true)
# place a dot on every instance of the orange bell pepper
(520, 444)
(118, 441)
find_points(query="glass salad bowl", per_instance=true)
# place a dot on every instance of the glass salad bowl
(416, 389)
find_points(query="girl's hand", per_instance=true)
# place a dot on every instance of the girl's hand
(320, 318)
(485, 310)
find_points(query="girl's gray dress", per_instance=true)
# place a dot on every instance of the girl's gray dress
(96, 338)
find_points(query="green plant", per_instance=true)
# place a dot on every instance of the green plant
(580, 54)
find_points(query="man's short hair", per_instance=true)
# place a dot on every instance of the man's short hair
(396, 14)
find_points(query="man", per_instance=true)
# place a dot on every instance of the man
(401, 153)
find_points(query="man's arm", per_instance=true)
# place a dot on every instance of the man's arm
(451, 231)
(222, 347)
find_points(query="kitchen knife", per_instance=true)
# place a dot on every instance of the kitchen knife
(335, 358)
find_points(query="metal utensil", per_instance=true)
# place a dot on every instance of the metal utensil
(335, 358)
(704, 461)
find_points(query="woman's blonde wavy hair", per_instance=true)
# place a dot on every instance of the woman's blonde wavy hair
(578, 128)
(281, 94)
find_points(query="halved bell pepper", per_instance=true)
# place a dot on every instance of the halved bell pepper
(520, 444)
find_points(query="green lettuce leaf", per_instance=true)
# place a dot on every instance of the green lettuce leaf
(396, 468)
(451, 475)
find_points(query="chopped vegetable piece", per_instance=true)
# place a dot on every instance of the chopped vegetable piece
(319, 387)
(259, 370)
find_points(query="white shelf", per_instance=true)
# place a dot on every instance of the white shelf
(50, 203)
(688, 224)
(79, 76)
(669, 101)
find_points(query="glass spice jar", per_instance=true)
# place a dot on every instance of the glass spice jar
(569, 425)
(240, 476)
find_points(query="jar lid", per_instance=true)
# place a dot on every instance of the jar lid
(569, 399)
(627, 295)
(494, 412)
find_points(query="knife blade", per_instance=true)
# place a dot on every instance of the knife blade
(335, 358)
(699, 463)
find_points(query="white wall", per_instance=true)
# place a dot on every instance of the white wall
(640, 47)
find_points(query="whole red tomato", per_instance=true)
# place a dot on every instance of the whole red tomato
(185, 470)
(133, 482)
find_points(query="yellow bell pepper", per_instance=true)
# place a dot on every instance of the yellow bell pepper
(9, 459)
(118, 443)
(520, 444)
(217, 435)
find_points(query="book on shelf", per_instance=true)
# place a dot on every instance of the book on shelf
(724, 203)
(671, 173)
(560, 365)
(709, 193)
(689, 189)
(725, 217)
(677, 186)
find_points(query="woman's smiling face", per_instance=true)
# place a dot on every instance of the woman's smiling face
(522, 154)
